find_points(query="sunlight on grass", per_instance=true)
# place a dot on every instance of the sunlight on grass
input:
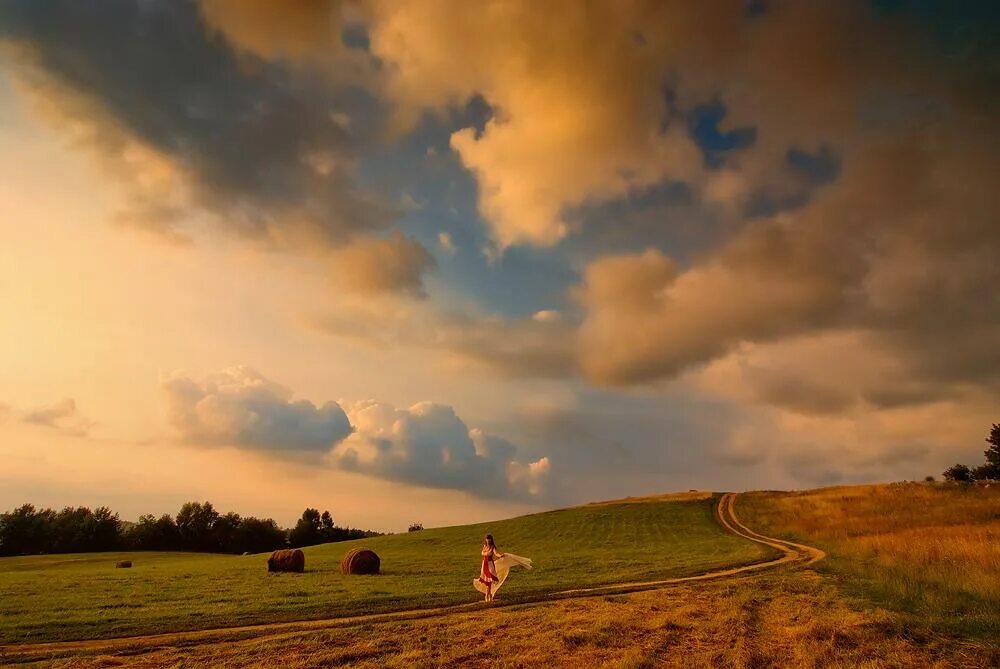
(83, 596)
(929, 550)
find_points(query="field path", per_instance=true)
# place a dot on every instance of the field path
(725, 514)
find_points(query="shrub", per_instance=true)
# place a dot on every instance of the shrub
(958, 473)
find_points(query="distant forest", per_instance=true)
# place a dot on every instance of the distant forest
(196, 527)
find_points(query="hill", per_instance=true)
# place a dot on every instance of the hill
(82, 596)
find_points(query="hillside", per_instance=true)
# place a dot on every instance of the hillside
(83, 596)
(928, 551)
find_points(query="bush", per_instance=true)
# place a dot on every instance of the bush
(958, 473)
(415, 527)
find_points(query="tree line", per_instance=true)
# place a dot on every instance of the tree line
(27, 530)
(990, 470)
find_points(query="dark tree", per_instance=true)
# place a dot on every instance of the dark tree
(993, 452)
(255, 535)
(103, 530)
(224, 531)
(987, 472)
(198, 527)
(958, 473)
(308, 530)
(26, 531)
(153, 534)
(415, 527)
(194, 523)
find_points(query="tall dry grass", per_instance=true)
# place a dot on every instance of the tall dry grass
(932, 550)
(781, 620)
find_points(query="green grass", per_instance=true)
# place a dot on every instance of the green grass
(83, 596)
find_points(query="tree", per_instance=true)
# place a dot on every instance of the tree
(958, 473)
(993, 452)
(415, 527)
(194, 524)
(224, 532)
(103, 530)
(26, 531)
(153, 534)
(255, 535)
(308, 530)
(197, 527)
(986, 472)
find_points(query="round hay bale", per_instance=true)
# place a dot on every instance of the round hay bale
(123, 564)
(287, 560)
(360, 561)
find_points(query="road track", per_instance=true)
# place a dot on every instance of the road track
(725, 515)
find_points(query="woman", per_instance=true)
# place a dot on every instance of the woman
(495, 567)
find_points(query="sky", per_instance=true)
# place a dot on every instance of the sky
(447, 262)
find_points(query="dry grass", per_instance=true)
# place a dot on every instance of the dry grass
(930, 550)
(785, 620)
(689, 496)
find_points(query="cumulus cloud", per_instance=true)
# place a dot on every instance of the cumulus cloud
(897, 251)
(240, 407)
(428, 444)
(425, 445)
(63, 416)
(588, 100)
(578, 103)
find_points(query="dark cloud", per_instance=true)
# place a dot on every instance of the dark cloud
(266, 150)
(903, 247)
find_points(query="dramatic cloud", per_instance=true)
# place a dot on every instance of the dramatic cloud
(239, 407)
(589, 100)
(425, 445)
(63, 416)
(579, 105)
(898, 249)
(662, 243)
(429, 445)
(202, 136)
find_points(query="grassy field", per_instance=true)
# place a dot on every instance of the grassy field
(83, 596)
(931, 552)
(778, 619)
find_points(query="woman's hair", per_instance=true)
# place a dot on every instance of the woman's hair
(488, 540)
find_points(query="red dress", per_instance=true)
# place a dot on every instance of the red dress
(488, 572)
